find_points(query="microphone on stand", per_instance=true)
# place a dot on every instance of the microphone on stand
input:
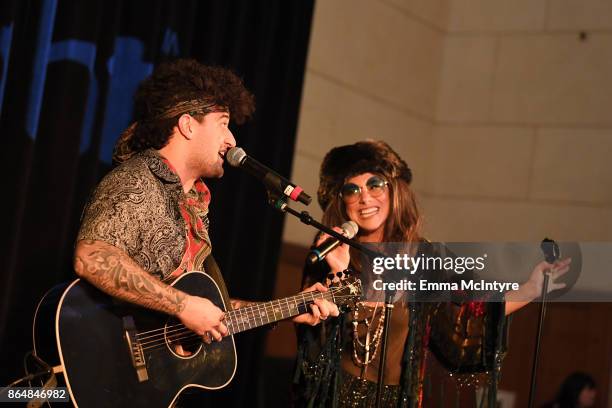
(237, 157)
(349, 230)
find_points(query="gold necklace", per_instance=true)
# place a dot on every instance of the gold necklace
(369, 348)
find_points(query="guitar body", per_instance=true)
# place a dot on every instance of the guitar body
(98, 359)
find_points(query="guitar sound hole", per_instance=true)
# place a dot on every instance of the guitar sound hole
(181, 341)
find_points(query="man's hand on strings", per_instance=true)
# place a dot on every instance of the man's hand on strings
(201, 316)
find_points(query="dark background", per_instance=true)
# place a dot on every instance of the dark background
(68, 72)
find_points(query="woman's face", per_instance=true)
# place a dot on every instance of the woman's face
(370, 208)
(586, 398)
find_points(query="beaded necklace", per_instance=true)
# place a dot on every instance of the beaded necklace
(369, 348)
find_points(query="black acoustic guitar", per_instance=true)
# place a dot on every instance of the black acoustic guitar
(115, 354)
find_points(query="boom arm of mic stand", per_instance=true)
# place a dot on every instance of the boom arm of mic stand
(281, 205)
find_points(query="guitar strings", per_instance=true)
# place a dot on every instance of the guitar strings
(253, 308)
(238, 313)
(242, 310)
(152, 346)
(183, 332)
(234, 327)
(229, 315)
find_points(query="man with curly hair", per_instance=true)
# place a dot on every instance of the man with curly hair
(147, 221)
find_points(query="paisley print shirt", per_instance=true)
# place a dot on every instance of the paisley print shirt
(140, 207)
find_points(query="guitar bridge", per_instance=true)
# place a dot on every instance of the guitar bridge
(135, 348)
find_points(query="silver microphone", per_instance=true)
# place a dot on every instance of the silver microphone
(237, 157)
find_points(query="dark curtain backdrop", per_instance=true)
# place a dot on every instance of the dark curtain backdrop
(68, 73)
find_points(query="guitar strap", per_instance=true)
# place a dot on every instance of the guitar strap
(211, 268)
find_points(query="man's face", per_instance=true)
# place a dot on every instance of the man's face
(213, 139)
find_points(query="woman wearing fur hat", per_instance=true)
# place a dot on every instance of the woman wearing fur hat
(368, 183)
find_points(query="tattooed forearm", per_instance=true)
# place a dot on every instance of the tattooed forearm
(114, 272)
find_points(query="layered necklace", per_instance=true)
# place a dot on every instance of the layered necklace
(364, 352)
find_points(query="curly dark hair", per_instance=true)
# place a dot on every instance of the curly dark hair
(179, 81)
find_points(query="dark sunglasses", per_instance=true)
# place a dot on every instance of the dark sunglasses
(350, 192)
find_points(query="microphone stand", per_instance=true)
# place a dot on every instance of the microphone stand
(280, 203)
(551, 252)
(389, 295)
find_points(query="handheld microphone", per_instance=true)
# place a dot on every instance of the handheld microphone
(349, 230)
(237, 157)
(550, 249)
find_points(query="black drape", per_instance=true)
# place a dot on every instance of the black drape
(68, 73)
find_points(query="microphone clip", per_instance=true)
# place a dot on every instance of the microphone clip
(276, 200)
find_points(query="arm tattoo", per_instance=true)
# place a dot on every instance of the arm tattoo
(114, 272)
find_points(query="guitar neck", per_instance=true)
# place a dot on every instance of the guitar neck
(261, 314)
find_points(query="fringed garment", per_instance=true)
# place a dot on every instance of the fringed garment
(468, 338)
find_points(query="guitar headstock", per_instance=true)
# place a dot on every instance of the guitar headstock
(347, 291)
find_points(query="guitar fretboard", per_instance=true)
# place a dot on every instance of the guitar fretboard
(260, 314)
